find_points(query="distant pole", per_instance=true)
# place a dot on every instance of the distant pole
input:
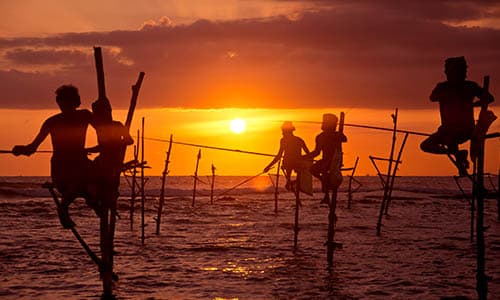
(332, 214)
(143, 196)
(394, 171)
(276, 188)
(498, 196)
(134, 183)
(212, 185)
(196, 176)
(349, 193)
(162, 191)
(387, 186)
(297, 206)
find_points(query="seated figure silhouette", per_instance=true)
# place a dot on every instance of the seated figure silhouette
(291, 147)
(456, 105)
(69, 163)
(329, 142)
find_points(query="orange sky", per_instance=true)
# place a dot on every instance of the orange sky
(209, 61)
(211, 127)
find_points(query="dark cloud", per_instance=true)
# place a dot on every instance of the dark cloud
(351, 55)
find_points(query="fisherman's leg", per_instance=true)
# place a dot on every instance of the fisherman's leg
(434, 144)
(63, 211)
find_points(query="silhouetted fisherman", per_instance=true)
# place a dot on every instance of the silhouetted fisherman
(329, 142)
(291, 147)
(456, 105)
(69, 163)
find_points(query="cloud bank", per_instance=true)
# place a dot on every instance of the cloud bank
(368, 54)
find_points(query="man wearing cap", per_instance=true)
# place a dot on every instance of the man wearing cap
(291, 147)
(329, 142)
(456, 106)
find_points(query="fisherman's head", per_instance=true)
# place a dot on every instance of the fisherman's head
(455, 69)
(67, 97)
(287, 128)
(329, 122)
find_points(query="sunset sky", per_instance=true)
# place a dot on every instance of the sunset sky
(265, 61)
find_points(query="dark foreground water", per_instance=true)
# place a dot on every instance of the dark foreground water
(238, 248)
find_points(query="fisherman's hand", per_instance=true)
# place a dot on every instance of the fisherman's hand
(23, 150)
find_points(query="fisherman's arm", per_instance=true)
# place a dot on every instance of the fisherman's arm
(276, 159)
(437, 93)
(479, 93)
(315, 152)
(33, 146)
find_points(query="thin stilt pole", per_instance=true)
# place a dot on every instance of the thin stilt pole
(481, 278)
(332, 214)
(297, 206)
(196, 176)
(349, 193)
(134, 183)
(212, 184)
(276, 188)
(473, 200)
(498, 196)
(394, 171)
(162, 191)
(389, 168)
(143, 196)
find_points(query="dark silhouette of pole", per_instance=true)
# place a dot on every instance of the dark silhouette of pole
(162, 191)
(349, 193)
(134, 183)
(394, 171)
(276, 188)
(332, 214)
(481, 278)
(143, 196)
(389, 169)
(212, 184)
(297, 207)
(198, 157)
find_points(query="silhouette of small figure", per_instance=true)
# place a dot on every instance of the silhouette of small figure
(112, 138)
(329, 142)
(69, 163)
(456, 105)
(291, 147)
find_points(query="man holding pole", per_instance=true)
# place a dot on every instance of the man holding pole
(456, 106)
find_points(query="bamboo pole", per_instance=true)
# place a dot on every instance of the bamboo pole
(276, 188)
(297, 207)
(162, 191)
(389, 168)
(198, 157)
(481, 278)
(349, 195)
(394, 171)
(143, 196)
(332, 214)
(498, 195)
(134, 183)
(212, 185)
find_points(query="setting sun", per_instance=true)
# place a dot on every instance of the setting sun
(237, 126)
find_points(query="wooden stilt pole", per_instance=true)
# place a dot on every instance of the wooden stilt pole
(394, 171)
(349, 193)
(134, 184)
(389, 169)
(198, 157)
(481, 278)
(143, 196)
(498, 196)
(276, 188)
(212, 185)
(162, 191)
(332, 214)
(473, 200)
(297, 207)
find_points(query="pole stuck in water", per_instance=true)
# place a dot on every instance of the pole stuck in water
(162, 190)
(198, 157)
(143, 182)
(212, 185)
(276, 187)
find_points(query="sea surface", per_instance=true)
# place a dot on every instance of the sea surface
(240, 248)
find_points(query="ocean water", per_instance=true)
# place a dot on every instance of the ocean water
(239, 248)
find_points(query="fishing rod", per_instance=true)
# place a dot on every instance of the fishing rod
(239, 184)
(211, 147)
(39, 151)
(373, 127)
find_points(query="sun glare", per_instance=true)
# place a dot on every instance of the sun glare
(237, 126)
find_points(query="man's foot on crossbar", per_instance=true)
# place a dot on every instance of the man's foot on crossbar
(462, 163)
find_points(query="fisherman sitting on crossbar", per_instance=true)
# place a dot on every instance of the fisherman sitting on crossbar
(456, 105)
